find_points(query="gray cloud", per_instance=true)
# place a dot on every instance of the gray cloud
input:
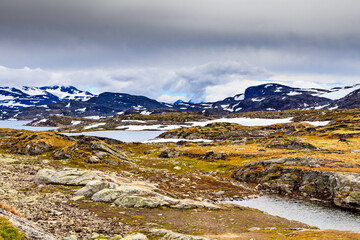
(89, 33)
(152, 82)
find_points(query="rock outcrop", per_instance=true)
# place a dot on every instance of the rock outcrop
(66, 176)
(285, 143)
(119, 191)
(304, 177)
(168, 234)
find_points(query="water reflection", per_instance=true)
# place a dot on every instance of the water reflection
(324, 217)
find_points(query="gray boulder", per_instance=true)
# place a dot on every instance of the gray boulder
(66, 176)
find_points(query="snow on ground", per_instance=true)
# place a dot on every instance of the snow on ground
(245, 121)
(75, 122)
(318, 123)
(150, 127)
(161, 140)
(93, 117)
(33, 91)
(138, 121)
(4, 97)
(94, 125)
(340, 93)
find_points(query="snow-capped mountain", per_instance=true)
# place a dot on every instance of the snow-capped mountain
(25, 96)
(340, 92)
(36, 102)
(271, 97)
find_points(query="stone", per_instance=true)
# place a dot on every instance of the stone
(254, 229)
(66, 176)
(71, 237)
(168, 234)
(101, 155)
(271, 228)
(95, 186)
(106, 148)
(191, 204)
(137, 202)
(211, 155)
(93, 159)
(35, 148)
(135, 236)
(169, 153)
(76, 198)
(285, 143)
(106, 195)
(61, 155)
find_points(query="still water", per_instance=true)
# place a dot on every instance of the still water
(323, 217)
(21, 125)
(125, 136)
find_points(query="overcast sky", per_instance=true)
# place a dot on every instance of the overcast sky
(189, 49)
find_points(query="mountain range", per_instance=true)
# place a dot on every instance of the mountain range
(36, 102)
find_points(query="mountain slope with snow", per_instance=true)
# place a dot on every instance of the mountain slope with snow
(35, 102)
(25, 96)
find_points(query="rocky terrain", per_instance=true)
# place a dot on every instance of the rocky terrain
(85, 187)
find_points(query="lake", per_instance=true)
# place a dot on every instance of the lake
(125, 136)
(323, 217)
(21, 125)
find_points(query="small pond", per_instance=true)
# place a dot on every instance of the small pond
(323, 217)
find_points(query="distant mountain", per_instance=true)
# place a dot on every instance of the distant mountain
(11, 97)
(351, 100)
(273, 97)
(38, 102)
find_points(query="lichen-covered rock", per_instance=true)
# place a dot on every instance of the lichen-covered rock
(106, 148)
(191, 204)
(93, 159)
(211, 155)
(288, 144)
(95, 186)
(106, 195)
(66, 176)
(135, 236)
(288, 176)
(169, 153)
(35, 148)
(137, 202)
(62, 154)
(101, 155)
(168, 234)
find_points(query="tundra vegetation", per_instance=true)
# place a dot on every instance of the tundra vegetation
(84, 187)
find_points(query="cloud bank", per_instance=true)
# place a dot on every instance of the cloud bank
(208, 82)
(293, 36)
(189, 83)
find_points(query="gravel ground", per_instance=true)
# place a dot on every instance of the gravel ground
(50, 210)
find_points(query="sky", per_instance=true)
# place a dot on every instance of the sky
(199, 50)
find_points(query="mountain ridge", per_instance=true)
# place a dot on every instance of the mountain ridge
(33, 102)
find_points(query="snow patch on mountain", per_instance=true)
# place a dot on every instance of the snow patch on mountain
(340, 92)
